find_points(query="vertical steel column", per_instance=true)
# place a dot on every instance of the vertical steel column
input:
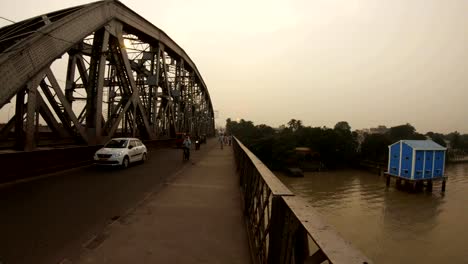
(143, 123)
(276, 253)
(177, 113)
(156, 74)
(169, 110)
(152, 91)
(110, 93)
(95, 87)
(30, 117)
(189, 112)
(134, 124)
(19, 124)
(70, 82)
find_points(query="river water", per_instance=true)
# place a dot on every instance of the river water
(390, 225)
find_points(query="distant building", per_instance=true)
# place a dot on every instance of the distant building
(416, 159)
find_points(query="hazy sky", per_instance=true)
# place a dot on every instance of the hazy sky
(369, 62)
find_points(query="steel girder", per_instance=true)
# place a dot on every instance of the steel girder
(124, 76)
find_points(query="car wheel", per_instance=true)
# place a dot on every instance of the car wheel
(125, 163)
(143, 158)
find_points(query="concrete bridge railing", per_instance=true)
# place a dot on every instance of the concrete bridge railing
(284, 228)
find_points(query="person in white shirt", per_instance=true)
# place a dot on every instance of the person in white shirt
(186, 146)
(221, 140)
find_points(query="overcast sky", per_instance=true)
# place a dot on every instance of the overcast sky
(368, 62)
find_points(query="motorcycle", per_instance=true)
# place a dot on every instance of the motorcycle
(197, 145)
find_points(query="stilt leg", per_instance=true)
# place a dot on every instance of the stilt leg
(419, 185)
(429, 186)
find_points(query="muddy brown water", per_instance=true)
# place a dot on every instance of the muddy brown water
(390, 225)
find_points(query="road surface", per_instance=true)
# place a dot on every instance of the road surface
(47, 220)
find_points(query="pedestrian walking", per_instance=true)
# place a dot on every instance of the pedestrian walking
(186, 147)
(221, 140)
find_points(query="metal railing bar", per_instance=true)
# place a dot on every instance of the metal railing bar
(332, 244)
(276, 186)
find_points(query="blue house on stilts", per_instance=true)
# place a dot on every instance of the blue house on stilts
(416, 160)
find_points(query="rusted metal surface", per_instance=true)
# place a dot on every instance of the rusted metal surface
(151, 89)
(280, 224)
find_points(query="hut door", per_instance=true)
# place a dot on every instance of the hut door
(419, 165)
(428, 164)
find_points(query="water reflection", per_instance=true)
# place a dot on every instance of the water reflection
(390, 225)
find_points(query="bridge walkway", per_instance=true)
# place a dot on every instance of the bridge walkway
(195, 218)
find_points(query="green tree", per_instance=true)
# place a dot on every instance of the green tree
(375, 147)
(264, 130)
(229, 125)
(455, 140)
(295, 125)
(343, 126)
(438, 138)
(402, 132)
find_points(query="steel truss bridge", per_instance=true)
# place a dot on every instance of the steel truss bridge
(122, 76)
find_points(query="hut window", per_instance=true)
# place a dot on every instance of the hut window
(419, 158)
(406, 171)
(406, 158)
(395, 156)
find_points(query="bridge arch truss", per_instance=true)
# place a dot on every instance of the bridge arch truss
(122, 76)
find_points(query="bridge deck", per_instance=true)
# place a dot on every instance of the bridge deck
(195, 218)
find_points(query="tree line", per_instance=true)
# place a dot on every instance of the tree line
(337, 147)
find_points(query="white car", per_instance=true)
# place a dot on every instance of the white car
(121, 152)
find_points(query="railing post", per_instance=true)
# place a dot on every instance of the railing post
(276, 253)
(301, 245)
(246, 187)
